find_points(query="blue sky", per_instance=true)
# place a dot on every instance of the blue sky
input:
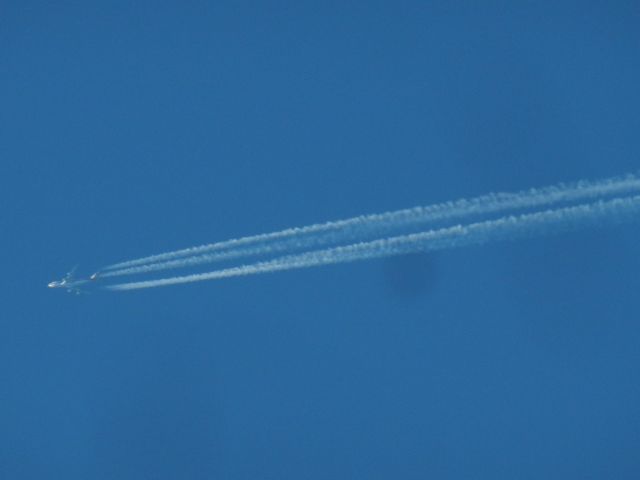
(131, 129)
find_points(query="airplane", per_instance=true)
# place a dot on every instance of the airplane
(70, 283)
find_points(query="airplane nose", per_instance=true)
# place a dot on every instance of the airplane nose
(51, 284)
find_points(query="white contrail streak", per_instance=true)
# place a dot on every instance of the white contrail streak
(366, 227)
(505, 228)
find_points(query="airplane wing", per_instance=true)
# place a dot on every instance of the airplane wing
(71, 273)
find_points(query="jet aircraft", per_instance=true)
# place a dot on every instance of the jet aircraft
(71, 283)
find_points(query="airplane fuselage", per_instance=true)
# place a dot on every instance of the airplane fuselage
(70, 285)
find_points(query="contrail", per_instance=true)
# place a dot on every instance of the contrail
(505, 228)
(366, 227)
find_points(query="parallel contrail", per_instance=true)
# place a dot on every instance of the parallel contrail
(367, 227)
(505, 228)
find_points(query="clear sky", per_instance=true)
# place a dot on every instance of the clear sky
(132, 128)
